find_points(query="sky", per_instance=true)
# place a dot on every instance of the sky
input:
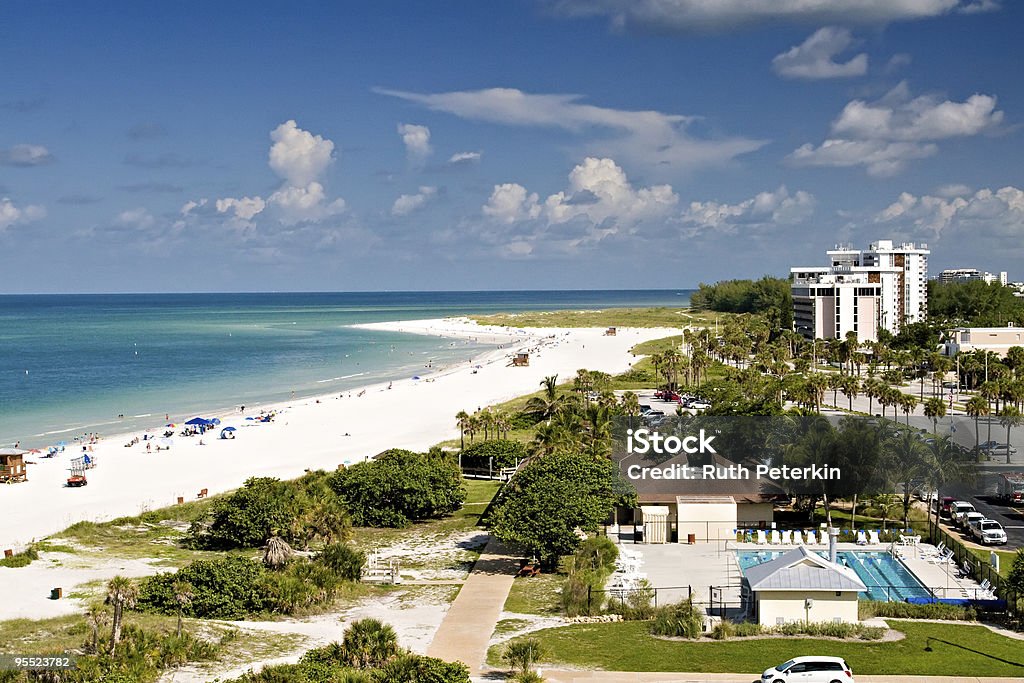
(525, 144)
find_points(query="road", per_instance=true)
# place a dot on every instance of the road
(982, 495)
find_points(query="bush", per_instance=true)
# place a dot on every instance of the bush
(723, 630)
(830, 630)
(226, 588)
(681, 620)
(905, 610)
(345, 561)
(400, 487)
(521, 655)
(746, 629)
(597, 553)
(22, 559)
(506, 453)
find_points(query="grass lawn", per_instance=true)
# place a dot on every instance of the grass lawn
(536, 595)
(956, 650)
(608, 317)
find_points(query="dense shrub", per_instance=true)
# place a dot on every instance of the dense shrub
(723, 630)
(830, 630)
(505, 453)
(399, 487)
(344, 560)
(589, 569)
(636, 604)
(226, 588)
(905, 610)
(681, 620)
(298, 511)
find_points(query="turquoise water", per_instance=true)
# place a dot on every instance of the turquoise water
(71, 364)
(885, 577)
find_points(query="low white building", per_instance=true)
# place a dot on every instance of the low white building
(996, 339)
(802, 586)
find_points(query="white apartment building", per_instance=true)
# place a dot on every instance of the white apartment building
(967, 274)
(862, 291)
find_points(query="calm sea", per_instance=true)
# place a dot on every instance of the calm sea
(71, 364)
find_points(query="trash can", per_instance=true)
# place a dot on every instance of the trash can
(56, 593)
(691, 539)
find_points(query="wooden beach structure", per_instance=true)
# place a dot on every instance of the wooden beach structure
(521, 360)
(12, 465)
(610, 332)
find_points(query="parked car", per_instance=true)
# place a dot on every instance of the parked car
(994, 447)
(958, 509)
(699, 405)
(969, 518)
(644, 409)
(946, 502)
(810, 669)
(989, 531)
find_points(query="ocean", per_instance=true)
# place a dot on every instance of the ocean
(109, 363)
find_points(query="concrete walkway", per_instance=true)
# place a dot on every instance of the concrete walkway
(466, 630)
(634, 677)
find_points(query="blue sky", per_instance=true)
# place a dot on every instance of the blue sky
(231, 146)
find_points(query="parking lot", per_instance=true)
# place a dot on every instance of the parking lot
(982, 495)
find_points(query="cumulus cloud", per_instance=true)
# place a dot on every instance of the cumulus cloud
(416, 140)
(815, 57)
(11, 214)
(298, 156)
(407, 203)
(985, 213)
(510, 203)
(25, 155)
(244, 209)
(883, 136)
(723, 15)
(294, 204)
(464, 158)
(600, 191)
(766, 208)
(644, 137)
(135, 219)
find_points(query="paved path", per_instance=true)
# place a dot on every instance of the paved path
(633, 677)
(466, 630)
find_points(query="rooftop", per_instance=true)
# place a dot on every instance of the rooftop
(802, 569)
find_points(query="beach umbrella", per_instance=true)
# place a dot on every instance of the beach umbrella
(215, 421)
(415, 376)
(224, 432)
(169, 424)
(198, 421)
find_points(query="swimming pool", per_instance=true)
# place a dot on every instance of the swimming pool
(885, 577)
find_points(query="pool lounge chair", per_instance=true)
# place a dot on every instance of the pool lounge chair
(811, 538)
(873, 537)
(861, 538)
(942, 558)
(776, 538)
(798, 537)
(787, 537)
(762, 539)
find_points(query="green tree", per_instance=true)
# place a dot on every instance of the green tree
(975, 407)
(1009, 417)
(368, 644)
(550, 498)
(934, 408)
(183, 594)
(122, 593)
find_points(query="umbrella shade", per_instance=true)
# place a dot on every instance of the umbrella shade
(415, 376)
(198, 421)
(215, 421)
(228, 429)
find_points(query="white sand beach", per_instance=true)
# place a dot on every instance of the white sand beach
(315, 433)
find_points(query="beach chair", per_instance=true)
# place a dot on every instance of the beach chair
(762, 538)
(873, 537)
(811, 538)
(798, 537)
(862, 539)
(787, 537)
(776, 537)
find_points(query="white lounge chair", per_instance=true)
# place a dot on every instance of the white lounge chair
(811, 538)
(798, 537)
(776, 538)
(787, 537)
(873, 537)
(861, 538)
(762, 538)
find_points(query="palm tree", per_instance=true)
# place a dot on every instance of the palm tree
(906, 458)
(976, 406)
(183, 594)
(629, 404)
(907, 403)
(1009, 417)
(835, 383)
(548, 403)
(850, 388)
(934, 408)
(97, 618)
(945, 466)
(368, 644)
(277, 553)
(121, 592)
(462, 421)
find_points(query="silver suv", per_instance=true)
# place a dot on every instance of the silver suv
(811, 670)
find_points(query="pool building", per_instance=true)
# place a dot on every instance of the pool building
(802, 586)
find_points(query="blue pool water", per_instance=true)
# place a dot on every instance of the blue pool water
(885, 577)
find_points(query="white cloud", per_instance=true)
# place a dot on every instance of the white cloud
(883, 136)
(135, 219)
(416, 140)
(464, 158)
(510, 203)
(600, 191)
(297, 155)
(815, 57)
(407, 203)
(644, 137)
(10, 214)
(722, 15)
(985, 213)
(244, 209)
(953, 190)
(765, 208)
(294, 204)
(25, 155)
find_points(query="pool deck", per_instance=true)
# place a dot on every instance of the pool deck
(942, 580)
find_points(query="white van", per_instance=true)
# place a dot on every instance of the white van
(810, 670)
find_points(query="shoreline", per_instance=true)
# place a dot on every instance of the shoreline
(314, 432)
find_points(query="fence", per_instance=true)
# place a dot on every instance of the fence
(714, 531)
(978, 569)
